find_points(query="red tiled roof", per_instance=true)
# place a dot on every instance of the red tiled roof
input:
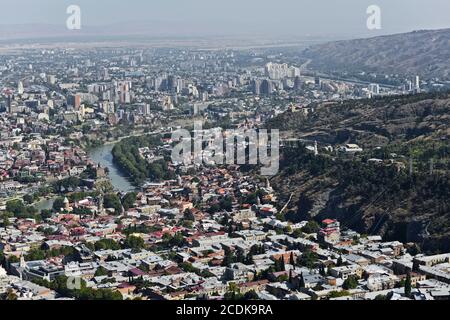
(137, 272)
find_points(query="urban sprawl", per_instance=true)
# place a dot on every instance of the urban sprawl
(71, 228)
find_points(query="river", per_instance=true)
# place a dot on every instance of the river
(102, 155)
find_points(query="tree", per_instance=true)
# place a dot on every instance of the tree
(414, 250)
(240, 256)
(308, 259)
(104, 186)
(350, 283)
(339, 294)
(177, 240)
(28, 198)
(58, 204)
(133, 242)
(233, 292)
(15, 206)
(311, 227)
(35, 254)
(188, 215)
(128, 200)
(84, 293)
(101, 272)
(69, 183)
(292, 260)
(279, 265)
(283, 278)
(302, 281)
(46, 214)
(126, 156)
(282, 264)
(228, 258)
(188, 267)
(13, 259)
(297, 233)
(213, 208)
(86, 128)
(112, 201)
(226, 204)
(5, 222)
(408, 285)
(106, 244)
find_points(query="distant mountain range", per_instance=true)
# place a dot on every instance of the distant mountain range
(147, 34)
(425, 53)
(154, 29)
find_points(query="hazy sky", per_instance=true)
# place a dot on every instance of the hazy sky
(276, 17)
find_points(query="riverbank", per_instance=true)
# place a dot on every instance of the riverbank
(102, 155)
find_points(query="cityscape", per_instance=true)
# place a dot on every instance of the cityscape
(334, 183)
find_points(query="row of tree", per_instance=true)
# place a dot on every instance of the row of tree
(126, 155)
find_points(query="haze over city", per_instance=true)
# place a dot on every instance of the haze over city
(284, 18)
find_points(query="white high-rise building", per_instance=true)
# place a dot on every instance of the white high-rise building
(409, 86)
(20, 88)
(374, 88)
(277, 71)
(417, 83)
(294, 72)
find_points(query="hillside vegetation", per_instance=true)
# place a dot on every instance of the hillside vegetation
(374, 198)
(421, 52)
